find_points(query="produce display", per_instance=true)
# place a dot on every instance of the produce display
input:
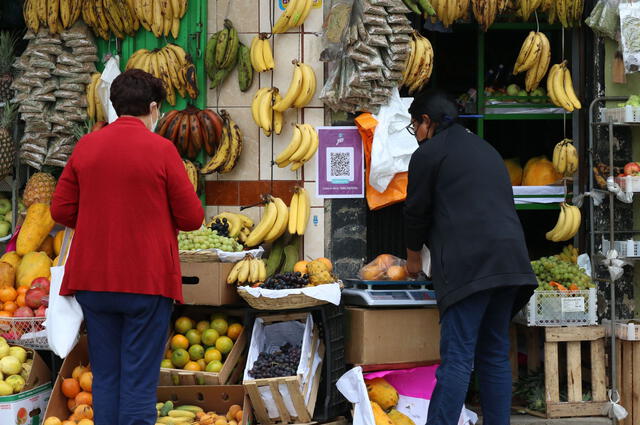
(274, 222)
(206, 239)
(295, 14)
(192, 129)
(372, 58)
(160, 17)
(235, 225)
(106, 17)
(539, 171)
(223, 52)
(534, 58)
(57, 15)
(78, 390)
(567, 12)
(384, 267)
(299, 212)
(95, 110)
(7, 49)
(565, 158)
(286, 280)
(52, 76)
(555, 274)
(168, 414)
(201, 346)
(229, 148)
(261, 54)
(568, 224)
(7, 149)
(284, 255)
(419, 65)
(384, 400)
(262, 111)
(301, 90)
(15, 365)
(560, 87)
(281, 363)
(249, 271)
(302, 147)
(172, 65)
(421, 7)
(6, 215)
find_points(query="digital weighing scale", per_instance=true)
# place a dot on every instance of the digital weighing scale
(383, 293)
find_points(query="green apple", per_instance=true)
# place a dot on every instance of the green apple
(513, 90)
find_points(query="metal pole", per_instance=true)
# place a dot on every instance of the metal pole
(612, 236)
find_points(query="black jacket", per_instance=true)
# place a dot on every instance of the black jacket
(460, 205)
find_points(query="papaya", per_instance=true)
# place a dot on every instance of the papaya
(37, 226)
(400, 418)
(515, 171)
(12, 258)
(382, 392)
(47, 246)
(539, 171)
(32, 266)
(379, 415)
(7, 275)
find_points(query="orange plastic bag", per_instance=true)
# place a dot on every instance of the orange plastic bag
(397, 189)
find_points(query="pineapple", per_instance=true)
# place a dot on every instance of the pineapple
(7, 47)
(7, 148)
(39, 189)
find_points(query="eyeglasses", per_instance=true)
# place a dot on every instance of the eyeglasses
(411, 129)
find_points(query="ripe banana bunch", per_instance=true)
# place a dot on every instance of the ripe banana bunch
(301, 148)
(301, 90)
(161, 17)
(485, 11)
(229, 149)
(560, 87)
(295, 14)
(419, 65)
(95, 111)
(261, 54)
(248, 271)
(223, 52)
(106, 17)
(262, 111)
(568, 224)
(57, 15)
(420, 7)
(240, 225)
(567, 12)
(534, 57)
(191, 130)
(526, 7)
(192, 172)
(447, 11)
(565, 158)
(299, 212)
(273, 224)
(172, 65)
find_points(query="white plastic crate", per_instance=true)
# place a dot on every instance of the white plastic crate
(624, 114)
(25, 331)
(628, 248)
(629, 183)
(561, 308)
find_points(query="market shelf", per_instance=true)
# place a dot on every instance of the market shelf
(538, 197)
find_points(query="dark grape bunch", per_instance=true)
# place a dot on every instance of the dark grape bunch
(287, 280)
(221, 226)
(283, 362)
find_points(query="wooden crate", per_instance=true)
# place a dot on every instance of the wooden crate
(304, 411)
(628, 379)
(532, 336)
(572, 337)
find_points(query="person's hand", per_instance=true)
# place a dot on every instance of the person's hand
(414, 265)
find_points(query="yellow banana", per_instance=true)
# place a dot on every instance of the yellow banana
(262, 271)
(304, 211)
(315, 141)
(305, 144)
(568, 89)
(560, 225)
(308, 88)
(283, 22)
(558, 89)
(294, 90)
(255, 105)
(278, 117)
(257, 59)
(254, 269)
(262, 229)
(281, 223)
(293, 214)
(243, 273)
(265, 111)
(291, 148)
(267, 55)
(525, 50)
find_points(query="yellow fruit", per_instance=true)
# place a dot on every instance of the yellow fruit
(32, 266)
(316, 267)
(52, 421)
(382, 392)
(7, 275)
(380, 417)
(224, 344)
(35, 229)
(212, 354)
(220, 325)
(400, 419)
(234, 331)
(301, 267)
(326, 262)
(57, 242)
(47, 246)
(179, 341)
(184, 324)
(192, 366)
(539, 172)
(515, 171)
(12, 258)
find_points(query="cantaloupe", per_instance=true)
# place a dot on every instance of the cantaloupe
(539, 171)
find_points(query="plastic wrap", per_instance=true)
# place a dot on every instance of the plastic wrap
(630, 35)
(385, 267)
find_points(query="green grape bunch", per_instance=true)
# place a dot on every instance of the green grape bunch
(207, 239)
(552, 269)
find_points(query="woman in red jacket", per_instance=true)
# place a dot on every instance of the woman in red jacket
(126, 193)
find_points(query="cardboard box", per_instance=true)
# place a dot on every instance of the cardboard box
(206, 284)
(216, 399)
(386, 336)
(25, 408)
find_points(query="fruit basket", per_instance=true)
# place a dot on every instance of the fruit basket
(561, 308)
(287, 299)
(25, 331)
(202, 256)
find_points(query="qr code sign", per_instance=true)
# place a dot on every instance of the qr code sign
(340, 165)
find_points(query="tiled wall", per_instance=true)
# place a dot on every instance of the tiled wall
(254, 173)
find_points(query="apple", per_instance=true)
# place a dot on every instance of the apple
(524, 95)
(41, 311)
(513, 90)
(41, 282)
(35, 297)
(23, 312)
(632, 168)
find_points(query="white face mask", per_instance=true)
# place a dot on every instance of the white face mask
(154, 123)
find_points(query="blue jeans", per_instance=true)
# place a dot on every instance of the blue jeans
(476, 328)
(127, 335)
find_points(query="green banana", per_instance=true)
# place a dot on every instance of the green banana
(210, 55)
(245, 70)
(291, 257)
(413, 6)
(275, 258)
(221, 46)
(219, 77)
(190, 408)
(168, 406)
(231, 51)
(426, 7)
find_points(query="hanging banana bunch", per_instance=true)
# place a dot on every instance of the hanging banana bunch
(419, 65)
(161, 17)
(534, 57)
(568, 224)
(560, 88)
(261, 54)
(295, 14)
(301, 148)
(229, 149)
(191, 130)
(57, 15)
(565, 158)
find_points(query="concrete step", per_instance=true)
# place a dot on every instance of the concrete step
(534, 420)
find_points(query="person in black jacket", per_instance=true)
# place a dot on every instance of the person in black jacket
(460, 205)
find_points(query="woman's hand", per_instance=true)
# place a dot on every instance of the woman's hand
(414, 262)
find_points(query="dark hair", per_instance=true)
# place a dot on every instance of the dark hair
(440, 107)
(133, 91)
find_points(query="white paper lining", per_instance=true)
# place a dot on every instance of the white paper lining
(329, 292)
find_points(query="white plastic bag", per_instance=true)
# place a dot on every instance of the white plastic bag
(392, 144)
(630, 35)
(64, 315)
(111, 71)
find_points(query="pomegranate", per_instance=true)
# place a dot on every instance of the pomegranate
(41, 282)
(41, 311)
(34, 297)
(23, 312)
(632, 168)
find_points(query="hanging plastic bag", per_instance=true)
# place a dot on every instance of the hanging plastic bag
(604, 19)
(111, 71)
(335, 29)
(64, 315)
(630, 35)
(397, 189)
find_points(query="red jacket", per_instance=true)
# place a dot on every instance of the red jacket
(125, 192)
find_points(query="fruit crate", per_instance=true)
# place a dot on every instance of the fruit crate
(626, 114)
(561, 308)
(292, 397)
(628, 248)
(25, 331)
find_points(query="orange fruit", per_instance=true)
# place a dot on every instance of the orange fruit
(10, 306)
(83, 411)
(179, 341)
(192, 366)
(384, 261)
(69, 423)
(86, 381)
(224, 344)
(84, 397)
(22, 290)
(21, 300)
(8, 293)
(5, 313)
(234, 331)
(52, 421)
(168, 354)
(202, 364)
(78, 371)
(326, 262)
(231, 414)
(301, 267)
(85, 422)
(239, 416)
(397, 273)
(71, 404)
(70, 388)
(183, 324)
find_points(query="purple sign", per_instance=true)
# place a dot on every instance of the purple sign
(340, 170)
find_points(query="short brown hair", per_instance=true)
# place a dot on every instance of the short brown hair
(133, 91)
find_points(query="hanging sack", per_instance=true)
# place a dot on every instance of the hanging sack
(64, 315)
